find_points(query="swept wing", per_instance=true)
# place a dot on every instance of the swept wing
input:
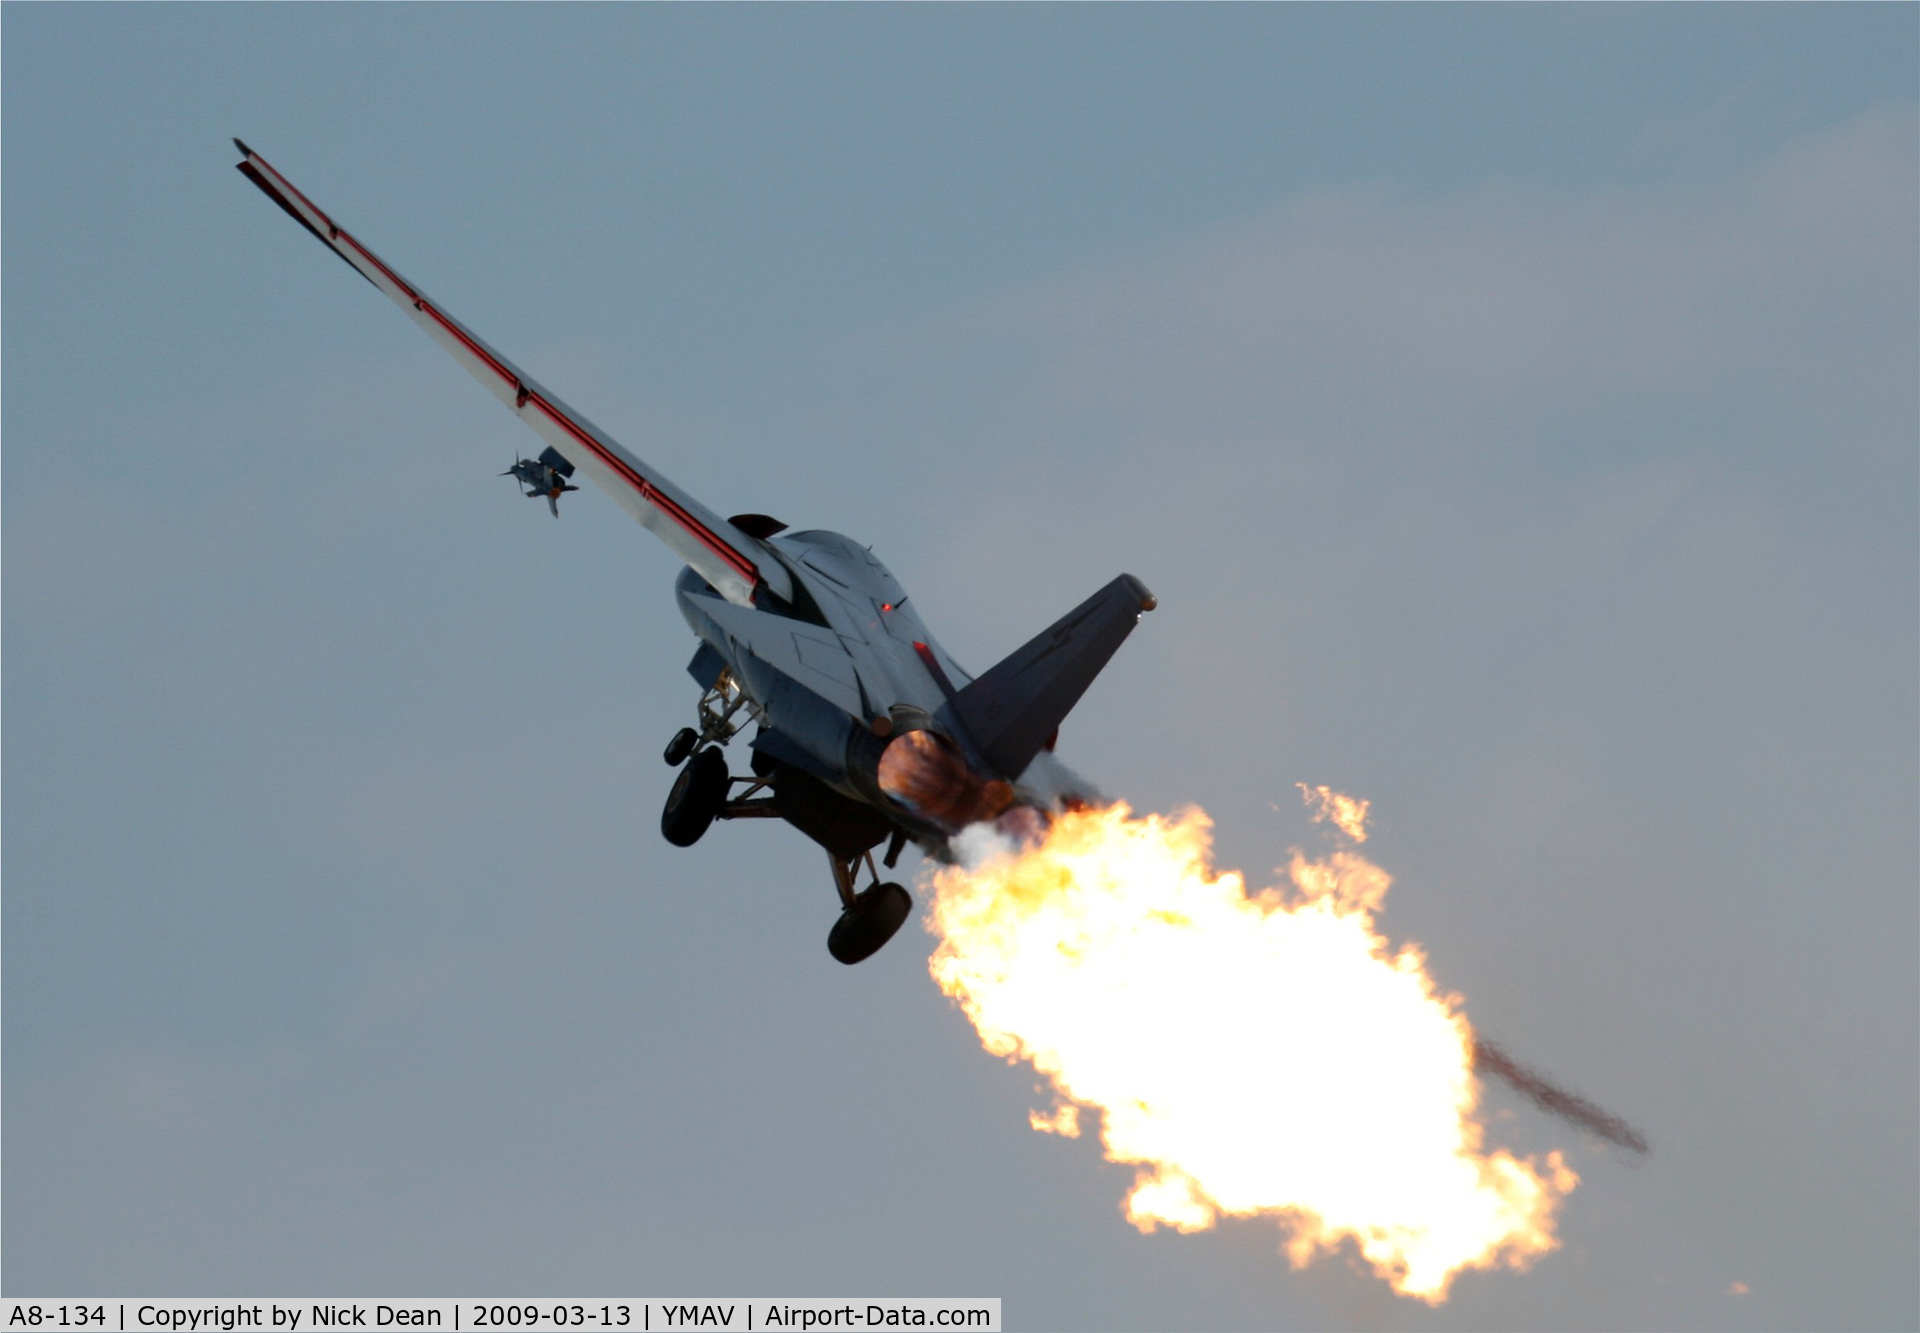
(735, 564)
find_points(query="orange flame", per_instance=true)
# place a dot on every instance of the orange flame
(1348, 815)
(1265, 1055)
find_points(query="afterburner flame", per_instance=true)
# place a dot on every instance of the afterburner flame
(1264, 1055)
(1348, 815)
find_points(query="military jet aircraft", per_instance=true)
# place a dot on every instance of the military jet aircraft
(546, 475)
(866, 730)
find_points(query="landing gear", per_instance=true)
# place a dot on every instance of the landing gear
(696, 799)
(699, 794)
(849, 829)
(869, 918)
(724, 709)
(684, 742)
(876, 914)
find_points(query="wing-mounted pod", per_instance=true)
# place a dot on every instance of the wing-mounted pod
(543, 476)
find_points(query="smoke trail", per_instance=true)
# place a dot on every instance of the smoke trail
(1491, 1059)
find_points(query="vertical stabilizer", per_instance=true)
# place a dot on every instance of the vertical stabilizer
(1012, 712)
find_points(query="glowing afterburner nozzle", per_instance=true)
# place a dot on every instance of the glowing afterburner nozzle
(926, 772)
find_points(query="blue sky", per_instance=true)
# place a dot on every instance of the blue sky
(1513, 408)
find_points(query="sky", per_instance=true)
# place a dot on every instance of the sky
(1513, 408)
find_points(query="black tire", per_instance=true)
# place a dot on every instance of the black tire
(681, 746)
(876, 914)
(696, 798)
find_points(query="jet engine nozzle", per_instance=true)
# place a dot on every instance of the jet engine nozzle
(925, 772)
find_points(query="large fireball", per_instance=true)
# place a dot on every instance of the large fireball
(1267, 1054)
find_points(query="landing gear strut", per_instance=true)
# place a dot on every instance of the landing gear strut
(868, 918)
(724, 709)
(699, 794)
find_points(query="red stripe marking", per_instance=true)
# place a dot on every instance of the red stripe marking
(296, 192)
(707, 537)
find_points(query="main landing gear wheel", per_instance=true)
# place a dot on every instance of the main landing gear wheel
(870, 922)
(697, 796)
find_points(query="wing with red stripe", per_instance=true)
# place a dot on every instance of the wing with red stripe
(733, 562)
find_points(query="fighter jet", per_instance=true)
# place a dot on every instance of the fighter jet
(866, 731)
(546, 475)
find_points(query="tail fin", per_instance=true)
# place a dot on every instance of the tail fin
(1012, 712)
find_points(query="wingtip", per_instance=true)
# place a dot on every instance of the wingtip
(1147, 600)
(240, 143)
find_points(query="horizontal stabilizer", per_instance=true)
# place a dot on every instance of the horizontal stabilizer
(1012, 712)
